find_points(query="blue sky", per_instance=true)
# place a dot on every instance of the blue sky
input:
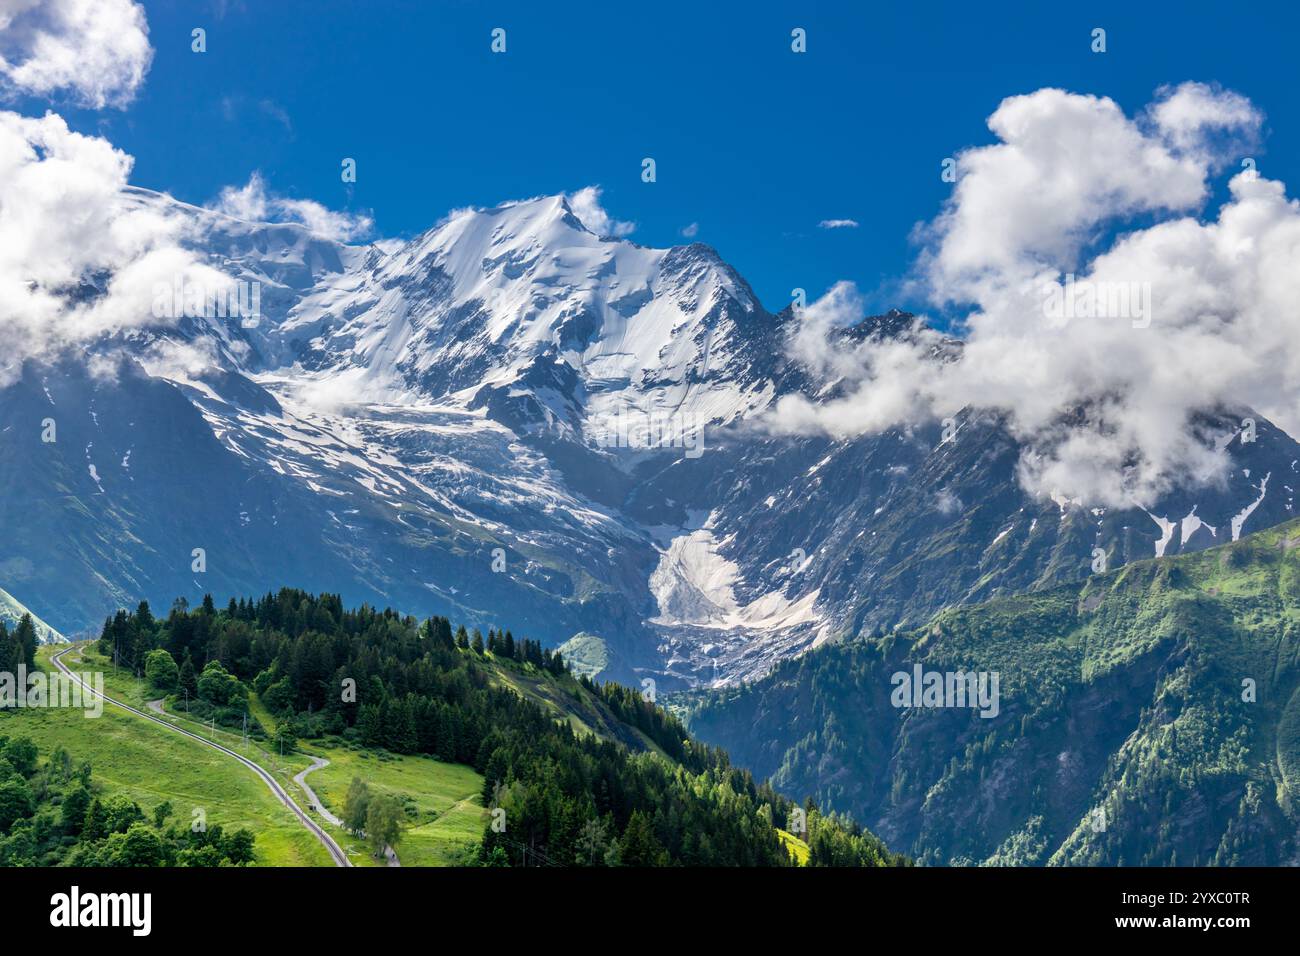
(754, 143)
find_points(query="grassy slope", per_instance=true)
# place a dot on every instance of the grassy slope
(152, 765)
(442, 799)
(586, 654)
(135, 692)
(797, 848)
(570, 701)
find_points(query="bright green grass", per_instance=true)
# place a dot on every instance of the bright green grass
(796, 847)
(261, 713)
(149, 764)
(447, 812)
(128, 688)
(442, 799)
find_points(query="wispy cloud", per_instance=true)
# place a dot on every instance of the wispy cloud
(586, 205)
(253, 203)
(277, 113)
(838, 224)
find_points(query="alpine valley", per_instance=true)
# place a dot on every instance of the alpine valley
(512, 418)
(1148, 716)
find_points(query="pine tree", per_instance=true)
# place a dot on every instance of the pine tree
(639, 846)
(96, 825)
(370, 726)
(144, 618)
(399, 726)
(188, 681)
(10, 651)
(25, 635)
(442, 633)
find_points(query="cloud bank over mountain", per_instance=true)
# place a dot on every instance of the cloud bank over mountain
(1102, 309)
(1033, 242)
(78, 260)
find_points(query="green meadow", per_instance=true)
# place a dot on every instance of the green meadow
(151, 765)
(133, 756)
(443, 801)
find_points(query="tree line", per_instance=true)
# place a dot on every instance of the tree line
(554, 795)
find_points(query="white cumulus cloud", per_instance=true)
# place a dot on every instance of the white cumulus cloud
(79, 258)
(95, 51)
(1106, 400)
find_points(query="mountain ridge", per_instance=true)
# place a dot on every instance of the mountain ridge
(509, 416)
(1149, 715)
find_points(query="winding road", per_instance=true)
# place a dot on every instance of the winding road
(314, 802)
(335, 851)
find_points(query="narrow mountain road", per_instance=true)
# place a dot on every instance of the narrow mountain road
(314, 803)
(335, 851)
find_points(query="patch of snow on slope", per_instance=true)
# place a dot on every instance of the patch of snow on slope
(1191, 523)
(1064, 501)
(1240, 520)
(1166, 533)
(694, 585)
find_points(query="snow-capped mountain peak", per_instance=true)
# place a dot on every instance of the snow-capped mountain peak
(514, 420)
(496, 298)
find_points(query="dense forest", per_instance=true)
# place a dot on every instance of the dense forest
(54, 813)
(648, 796)
(1149, 716)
